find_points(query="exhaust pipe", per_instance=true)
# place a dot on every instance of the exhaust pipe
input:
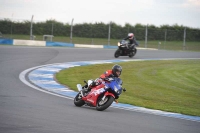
(80, 89)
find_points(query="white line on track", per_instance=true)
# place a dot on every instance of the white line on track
(56, 91)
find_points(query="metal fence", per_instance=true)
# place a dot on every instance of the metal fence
(147, 37)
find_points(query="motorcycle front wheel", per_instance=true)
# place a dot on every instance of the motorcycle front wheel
(78, 101)
(117, 53)
(104, 104)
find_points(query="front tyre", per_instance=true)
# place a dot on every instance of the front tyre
(104, 104)
(78, 101)
(117, 53)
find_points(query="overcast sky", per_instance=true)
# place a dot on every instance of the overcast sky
(152, 12)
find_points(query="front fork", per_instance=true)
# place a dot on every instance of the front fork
(106, 94)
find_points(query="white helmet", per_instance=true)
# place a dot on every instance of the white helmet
(130, 35)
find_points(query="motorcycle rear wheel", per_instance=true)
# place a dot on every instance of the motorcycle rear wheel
(133, 53)
(78, 101)
(102, 105)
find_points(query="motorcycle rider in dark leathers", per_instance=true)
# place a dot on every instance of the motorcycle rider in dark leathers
(132, 40)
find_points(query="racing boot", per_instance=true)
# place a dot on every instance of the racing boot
(88, 89)
(85, 91)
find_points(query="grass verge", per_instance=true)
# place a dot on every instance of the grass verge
(172, 86)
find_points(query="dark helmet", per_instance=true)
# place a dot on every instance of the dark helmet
(116, 68)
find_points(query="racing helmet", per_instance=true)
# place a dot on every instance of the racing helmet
(130, 35)
(116, 68)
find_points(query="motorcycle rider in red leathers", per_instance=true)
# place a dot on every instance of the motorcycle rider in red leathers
(114, 72)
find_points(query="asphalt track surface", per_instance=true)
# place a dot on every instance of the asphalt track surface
(26, 110)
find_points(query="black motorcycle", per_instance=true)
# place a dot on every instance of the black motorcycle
(125, 50)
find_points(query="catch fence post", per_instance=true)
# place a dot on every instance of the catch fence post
(31, 34)
(146, 33)
(109, 33)
(184, 36)
(71, 31)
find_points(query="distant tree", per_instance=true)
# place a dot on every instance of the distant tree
(100, 30)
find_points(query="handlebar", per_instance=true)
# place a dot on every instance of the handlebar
(108, 79)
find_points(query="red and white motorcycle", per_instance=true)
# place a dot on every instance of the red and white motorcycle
(100, 96)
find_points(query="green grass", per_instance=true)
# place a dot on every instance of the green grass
(172, 86)
(168, 45)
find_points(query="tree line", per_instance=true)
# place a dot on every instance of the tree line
(100, 30)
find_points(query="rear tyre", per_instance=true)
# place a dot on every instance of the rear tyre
(104, 104)
(133, 53)
(78, 101)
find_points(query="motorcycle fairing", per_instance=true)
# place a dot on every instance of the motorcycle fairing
(94, 94)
